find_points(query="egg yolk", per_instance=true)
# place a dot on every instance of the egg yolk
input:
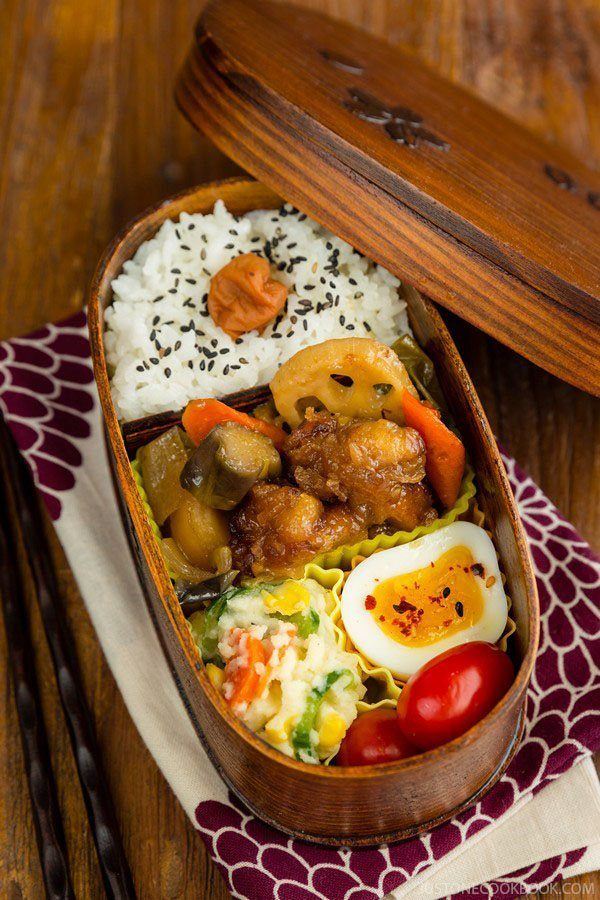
(422, 607)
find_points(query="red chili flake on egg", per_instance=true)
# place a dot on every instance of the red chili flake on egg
(382, 618)
(370, 602)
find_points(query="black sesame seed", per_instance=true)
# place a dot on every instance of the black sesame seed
(342, 320)
(352, 281)
(202, 365)
(226, 370)
(154, 360)
(191, 226)
(229, 246)
(203, 254)
(367, 326)
(172, 290)
(459, 609)
(156, 320)
(232, 231)
(177, 345)
(309, 287)
(446, 592)
(185, 247)
(140, 368)
(168, 372)
(191, 280)
(153, 334)
(224, 350)
(211, 364)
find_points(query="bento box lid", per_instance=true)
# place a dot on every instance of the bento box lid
(414, 171)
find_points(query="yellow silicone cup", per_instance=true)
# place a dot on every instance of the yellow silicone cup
(333, 581)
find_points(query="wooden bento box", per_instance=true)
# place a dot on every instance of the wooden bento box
(464, 206)
(337, 806)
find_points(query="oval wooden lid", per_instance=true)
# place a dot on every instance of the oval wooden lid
(417, 173)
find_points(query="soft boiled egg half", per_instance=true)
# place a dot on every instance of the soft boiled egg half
(403, 606)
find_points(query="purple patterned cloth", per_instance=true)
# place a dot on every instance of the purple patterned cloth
(47, 393)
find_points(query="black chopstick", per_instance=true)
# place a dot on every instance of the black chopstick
(47, 820)
(18, 484)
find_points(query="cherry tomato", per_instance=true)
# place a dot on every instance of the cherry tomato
(452, 692)
(374, 737)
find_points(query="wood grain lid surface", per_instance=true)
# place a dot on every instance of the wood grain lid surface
(413, 170)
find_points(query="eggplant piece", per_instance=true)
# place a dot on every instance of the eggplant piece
(226, 464)
(161, 462)
(197, 596)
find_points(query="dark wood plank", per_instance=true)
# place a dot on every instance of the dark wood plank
(114, 143)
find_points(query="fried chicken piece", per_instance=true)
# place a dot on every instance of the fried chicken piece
(279, 528)
(376, 467)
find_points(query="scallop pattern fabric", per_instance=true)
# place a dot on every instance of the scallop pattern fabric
(48, 396)
(47, 393)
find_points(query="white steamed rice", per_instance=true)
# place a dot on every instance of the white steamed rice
(162, 347)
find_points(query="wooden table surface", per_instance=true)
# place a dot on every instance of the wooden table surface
(89, 136)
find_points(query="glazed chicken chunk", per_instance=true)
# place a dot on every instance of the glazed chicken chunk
(279, 528)
(375, 467)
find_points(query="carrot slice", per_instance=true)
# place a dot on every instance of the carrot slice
(445, 463)
(241, 671)
(201, 416)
